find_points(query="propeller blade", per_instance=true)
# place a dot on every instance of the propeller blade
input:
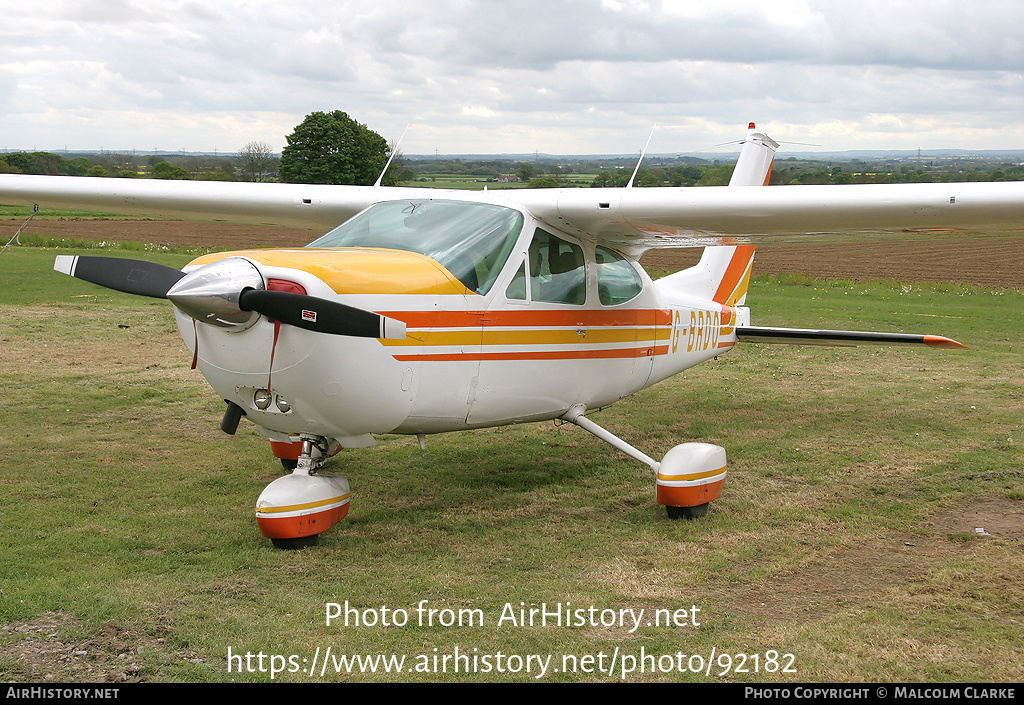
(320, 315)
(155, 280)
(131, 276)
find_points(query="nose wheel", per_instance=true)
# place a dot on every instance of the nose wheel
(295, 544)
(295, 509)
(687, 512)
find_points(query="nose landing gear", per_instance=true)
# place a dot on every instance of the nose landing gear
(295, 509)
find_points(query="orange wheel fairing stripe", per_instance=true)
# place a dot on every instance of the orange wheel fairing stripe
(691, 496)
(299, 526)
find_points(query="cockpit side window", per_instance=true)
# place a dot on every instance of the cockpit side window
(516, 290)
(557, 270)
(617, 280)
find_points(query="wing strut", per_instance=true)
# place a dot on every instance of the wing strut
(576, 415)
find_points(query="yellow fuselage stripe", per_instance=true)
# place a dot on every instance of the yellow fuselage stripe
(530, 337)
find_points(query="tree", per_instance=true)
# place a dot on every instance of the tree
(544, 182)
(166, 170)
(37, 163)
(332, 148)
(78, 166)
(256, 162)
(717, 176)
(606, 178)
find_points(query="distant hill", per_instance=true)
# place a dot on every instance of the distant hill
(731, 156)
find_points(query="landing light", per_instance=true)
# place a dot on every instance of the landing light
(261, 399)
(284, 406)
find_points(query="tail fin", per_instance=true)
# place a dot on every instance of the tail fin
(722, 275)
(734, 263)
(754, 166)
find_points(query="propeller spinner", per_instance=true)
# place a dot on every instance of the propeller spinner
(230, 293)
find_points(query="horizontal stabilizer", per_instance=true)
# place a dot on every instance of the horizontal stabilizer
(847, 338)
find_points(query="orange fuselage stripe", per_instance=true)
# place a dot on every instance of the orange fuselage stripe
(569, 336)
(649, 351)
(647, 329)
(532, 318)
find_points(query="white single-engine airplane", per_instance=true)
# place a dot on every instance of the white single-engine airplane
(428, 311)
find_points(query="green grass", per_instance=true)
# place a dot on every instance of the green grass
(12, 212)
(845, 534)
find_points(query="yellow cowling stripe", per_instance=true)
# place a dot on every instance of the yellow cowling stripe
(358, 270)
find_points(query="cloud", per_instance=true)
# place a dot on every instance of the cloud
(481, 75)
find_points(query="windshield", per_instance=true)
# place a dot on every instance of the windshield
(470, 240)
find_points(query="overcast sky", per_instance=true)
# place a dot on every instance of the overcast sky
(513, 76)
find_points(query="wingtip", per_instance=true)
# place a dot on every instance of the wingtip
(938, 341)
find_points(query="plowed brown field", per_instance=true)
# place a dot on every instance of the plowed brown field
(995, 261)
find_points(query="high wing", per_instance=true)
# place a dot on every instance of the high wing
(633, 219)
(290, 205)
(669, 217)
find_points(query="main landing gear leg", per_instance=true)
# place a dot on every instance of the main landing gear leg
(293, 510)
(689, 477)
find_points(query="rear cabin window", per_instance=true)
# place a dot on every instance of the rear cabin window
(617, 280)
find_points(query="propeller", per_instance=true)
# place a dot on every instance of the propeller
(320, 315)
(229, 293)
(131, 276)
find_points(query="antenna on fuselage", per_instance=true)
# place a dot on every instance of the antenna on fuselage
(641, 159)
(391, 156)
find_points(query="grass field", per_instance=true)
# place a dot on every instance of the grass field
(844, 547)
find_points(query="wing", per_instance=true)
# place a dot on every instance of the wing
(662, 217)
(292, 205)
(627, 218)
